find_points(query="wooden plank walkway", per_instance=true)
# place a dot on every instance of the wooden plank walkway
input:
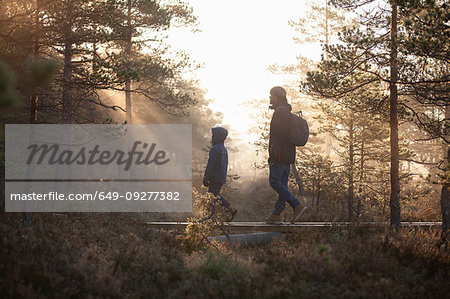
(286, 226)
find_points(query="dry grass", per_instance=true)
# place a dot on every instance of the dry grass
(104, 255)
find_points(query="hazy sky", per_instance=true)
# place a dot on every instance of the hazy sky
(239, 40)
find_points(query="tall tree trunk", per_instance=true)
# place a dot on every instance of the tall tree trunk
(326, 28)
(445, 205)
(128, 55)
(393, 101)
(445, 196)
(350, 171)
(94, 60)
(67, 74)
(361, 175)
(328, 135)
(313, 190)
(318, 189)
(34, 96)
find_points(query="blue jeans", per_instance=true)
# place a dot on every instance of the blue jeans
(214, 188)
(278, 178)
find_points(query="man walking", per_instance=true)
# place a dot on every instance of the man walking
(281, 156)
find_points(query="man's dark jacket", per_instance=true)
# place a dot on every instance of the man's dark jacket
(280, 148)
(216, 170)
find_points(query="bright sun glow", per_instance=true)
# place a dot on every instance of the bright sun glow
(239, 40)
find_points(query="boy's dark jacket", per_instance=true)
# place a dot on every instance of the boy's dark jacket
(216, 170)
(280, 148)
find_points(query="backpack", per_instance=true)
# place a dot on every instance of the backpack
(298, 130)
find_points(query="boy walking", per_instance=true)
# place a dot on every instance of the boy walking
(217, 167)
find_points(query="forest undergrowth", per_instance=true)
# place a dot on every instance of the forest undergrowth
(107, 255)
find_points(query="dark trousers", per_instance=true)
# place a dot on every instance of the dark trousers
(214, 188)
(278, 178)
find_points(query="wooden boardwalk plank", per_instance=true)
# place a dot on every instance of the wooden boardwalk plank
(286, 226)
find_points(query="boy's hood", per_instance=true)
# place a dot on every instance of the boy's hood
(219, 135)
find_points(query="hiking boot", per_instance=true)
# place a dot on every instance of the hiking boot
(298, 211)
(274, 219)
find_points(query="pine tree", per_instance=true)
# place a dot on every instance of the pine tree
(142, 57)
(85, 38)
(360, 144)
(375, 52)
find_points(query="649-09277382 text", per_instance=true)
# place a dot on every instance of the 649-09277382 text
(55, 196)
